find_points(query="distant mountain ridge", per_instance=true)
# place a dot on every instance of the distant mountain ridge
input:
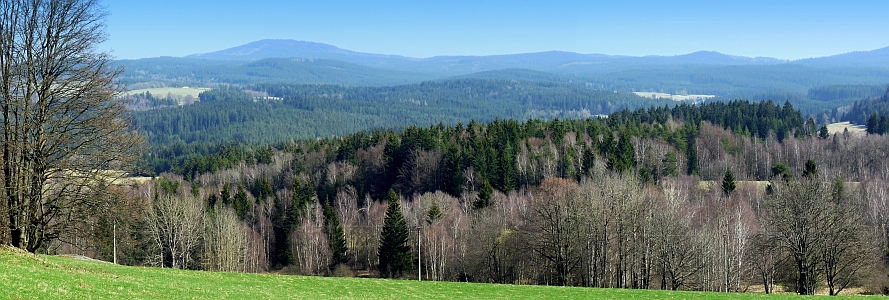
(542, 61)
(878, 57)
(263, 49)
(570, 63)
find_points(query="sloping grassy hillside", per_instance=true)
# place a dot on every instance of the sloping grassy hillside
(25, 276)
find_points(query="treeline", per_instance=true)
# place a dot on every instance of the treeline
(877, 124)
(601, 203)
(848, 91)
(225, 94)
(172, 71)
(146, 100)
(225, 116)
(861, 110)
(730, 80)
(491, 149)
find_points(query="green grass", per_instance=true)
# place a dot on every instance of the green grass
(25, 276)
(176, 92)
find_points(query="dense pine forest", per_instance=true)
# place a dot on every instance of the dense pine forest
(693, 197)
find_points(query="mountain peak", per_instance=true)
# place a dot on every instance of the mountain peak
(273, 48)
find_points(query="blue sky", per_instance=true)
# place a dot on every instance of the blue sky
(781, 29)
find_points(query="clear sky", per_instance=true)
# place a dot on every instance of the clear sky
(420, 28)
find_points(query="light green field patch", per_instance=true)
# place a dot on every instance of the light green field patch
(25, 276)
(177, 93)
(842, 126)
(710, 184)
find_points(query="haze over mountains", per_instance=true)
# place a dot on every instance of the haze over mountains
(461, 64)
(703, 72)
(270, 48)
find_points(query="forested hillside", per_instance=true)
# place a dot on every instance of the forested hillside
(664, 197)
(175, 72)
(321, 111)
(861, 110)
(691, 75)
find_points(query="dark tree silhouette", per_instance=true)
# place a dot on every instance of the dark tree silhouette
(336, 235)
(728, 183)
(394, 251)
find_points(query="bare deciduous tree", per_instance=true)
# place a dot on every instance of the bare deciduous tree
(61, 130)
(176, 223)
(225, 242)
(555, 229)
(815, 231)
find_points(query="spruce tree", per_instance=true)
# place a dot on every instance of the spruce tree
(589, 159)
(811, 169)
(780, 169)
(336, 235)
(242, 202)
(434, 213)
(691, 153)
(728, 183)
(624, 156)
(394, 251)
(823, 133)
(485, 194)
(872, 123)
(670, 164)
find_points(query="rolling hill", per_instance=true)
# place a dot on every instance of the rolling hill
(453, 65)
(169, 71)
(704, 72)
(26, 276)
(874, 58)
(310, 111)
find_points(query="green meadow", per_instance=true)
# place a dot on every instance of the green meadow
(26, 276)
(176, 92)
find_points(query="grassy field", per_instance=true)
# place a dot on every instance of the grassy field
(25, 276)
(654, 95)
(841, 126)
(709, 184)
(176, 92)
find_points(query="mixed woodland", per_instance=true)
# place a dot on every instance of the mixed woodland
(723, 196)
(387, 166)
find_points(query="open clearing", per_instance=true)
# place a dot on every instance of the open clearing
(710, 184)
(175, 92)
(654, 95)
(841, 126)
(26, 276)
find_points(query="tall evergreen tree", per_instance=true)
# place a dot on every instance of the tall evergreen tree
(728, 183)
(434, 213)
(336, 235)
(589, 159)
(811, 169)
(485, 194)
(873, 122)
(508, 169)
(780, 169)
(394, 251)
(691, 153)
(453, 171)
(242, 202)
(670, 164)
